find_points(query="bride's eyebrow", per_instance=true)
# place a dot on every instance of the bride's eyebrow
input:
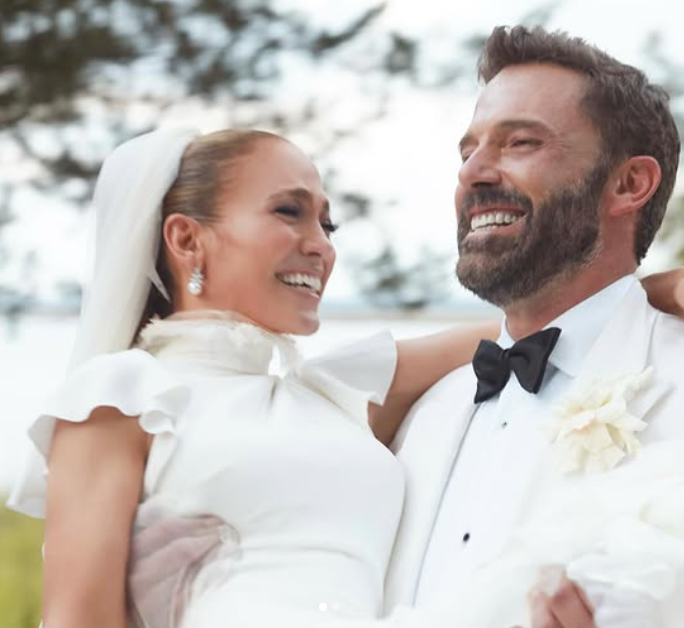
(300, 194)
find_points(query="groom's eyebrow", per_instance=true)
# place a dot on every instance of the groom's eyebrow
(523, 123)
(507, 126)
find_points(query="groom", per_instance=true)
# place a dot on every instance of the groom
(568, 165)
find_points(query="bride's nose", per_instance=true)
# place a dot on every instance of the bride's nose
(316, 241)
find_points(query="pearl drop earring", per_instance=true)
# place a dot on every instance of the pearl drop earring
(195, 283)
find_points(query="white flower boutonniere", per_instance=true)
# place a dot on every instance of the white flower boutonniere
(594, 428)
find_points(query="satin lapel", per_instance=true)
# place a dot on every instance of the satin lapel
(624, 347)
(427, 452)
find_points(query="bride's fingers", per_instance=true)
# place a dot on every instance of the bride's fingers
(556, 602)
(540, 610)
(569, 605)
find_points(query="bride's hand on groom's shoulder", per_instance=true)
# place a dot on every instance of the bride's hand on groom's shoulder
(666, 291)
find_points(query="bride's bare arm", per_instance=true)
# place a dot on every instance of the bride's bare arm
(421, 363)
(95, 480)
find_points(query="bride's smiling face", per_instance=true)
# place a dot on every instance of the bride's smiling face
(267, 255)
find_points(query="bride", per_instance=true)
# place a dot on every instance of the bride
(188, 401)
(171, 407)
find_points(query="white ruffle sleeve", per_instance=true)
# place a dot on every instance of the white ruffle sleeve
(131, 381)
(355, 374)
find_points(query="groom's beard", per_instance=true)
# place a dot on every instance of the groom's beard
(558, 238)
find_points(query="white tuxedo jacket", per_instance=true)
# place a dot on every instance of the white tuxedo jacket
(428, 443)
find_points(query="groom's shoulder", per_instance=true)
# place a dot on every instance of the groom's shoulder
(667, 341)
(458, 383)
(453, 390)
(670, 327)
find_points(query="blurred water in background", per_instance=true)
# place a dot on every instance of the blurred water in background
(35, 350)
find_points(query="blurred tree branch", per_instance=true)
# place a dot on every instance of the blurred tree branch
(77, 77)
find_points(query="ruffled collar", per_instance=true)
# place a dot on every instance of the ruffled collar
(220, 341)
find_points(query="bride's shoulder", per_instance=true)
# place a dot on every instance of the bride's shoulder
(114, 363)
(354, 374)
(128, 365)
(129, 383)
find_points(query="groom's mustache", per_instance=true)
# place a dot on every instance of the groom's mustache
(491, 197)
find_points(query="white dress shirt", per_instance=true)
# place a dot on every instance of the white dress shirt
(504, 445)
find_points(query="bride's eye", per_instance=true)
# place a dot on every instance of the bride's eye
(291, 211)
(329, 226)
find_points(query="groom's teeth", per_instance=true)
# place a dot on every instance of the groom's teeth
(493, 219)
(300, 280)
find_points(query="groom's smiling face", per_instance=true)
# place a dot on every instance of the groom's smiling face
(529, 193)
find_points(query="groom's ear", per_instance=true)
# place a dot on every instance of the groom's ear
(631, 185)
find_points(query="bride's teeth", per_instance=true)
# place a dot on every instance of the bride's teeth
(300, 280)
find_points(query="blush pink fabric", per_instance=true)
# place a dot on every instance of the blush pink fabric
(166, 554)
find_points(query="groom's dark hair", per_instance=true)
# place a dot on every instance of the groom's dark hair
(631, 114)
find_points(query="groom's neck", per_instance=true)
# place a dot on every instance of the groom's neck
(532, 314)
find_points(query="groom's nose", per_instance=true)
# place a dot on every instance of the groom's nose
(481, 168)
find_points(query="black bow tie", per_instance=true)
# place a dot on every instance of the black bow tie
(527, 358)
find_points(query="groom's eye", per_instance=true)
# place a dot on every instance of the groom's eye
(524, 141)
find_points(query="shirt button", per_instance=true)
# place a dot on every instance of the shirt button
(466, 537)
(504, 424)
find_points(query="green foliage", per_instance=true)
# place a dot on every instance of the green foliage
(386, 281)
(21, 539)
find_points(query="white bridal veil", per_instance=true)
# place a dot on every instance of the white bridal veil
(128, 195)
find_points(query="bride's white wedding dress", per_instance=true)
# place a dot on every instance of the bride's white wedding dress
(300, 504)
(283, 455)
